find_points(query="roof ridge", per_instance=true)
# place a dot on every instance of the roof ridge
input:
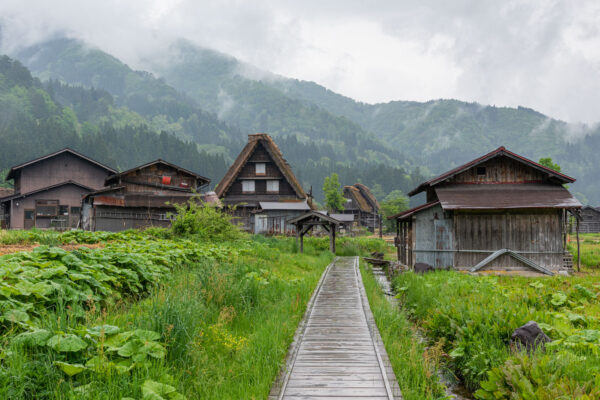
(497, 152)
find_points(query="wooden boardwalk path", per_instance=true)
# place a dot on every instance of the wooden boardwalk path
(337, 352)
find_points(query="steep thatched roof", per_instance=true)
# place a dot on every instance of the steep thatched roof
(353, 193)
(362, 196)
(368, 195)
(244, 156)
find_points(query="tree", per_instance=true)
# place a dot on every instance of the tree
(377, 191)
(334, 201)
(547, 162)
(394, 203)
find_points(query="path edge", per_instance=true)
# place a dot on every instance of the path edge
(280, 383)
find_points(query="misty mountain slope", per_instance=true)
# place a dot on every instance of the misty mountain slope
(34, 123)
(166, 109)
(436, 133)
(242, 95)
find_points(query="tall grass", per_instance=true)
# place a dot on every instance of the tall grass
(472, 318)
(226, 326)
(414, 366)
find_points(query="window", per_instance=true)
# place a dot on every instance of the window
(480, 170)
(63, 210)
(46, 208)
(248, 186)
(75, 210)
(261, 168)
(29, 214)
(273, 186)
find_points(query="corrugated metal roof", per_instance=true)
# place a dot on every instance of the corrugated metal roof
(284, 205)
(479, 197)
(343, 217)
(409, 213)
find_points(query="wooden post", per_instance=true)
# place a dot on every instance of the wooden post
(565, 224)
(578, 248)
(302, 232)
(380, 227)
(297, 235)
(332, 238)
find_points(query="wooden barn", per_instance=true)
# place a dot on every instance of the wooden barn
(140, 197)
(48, 190)
(590, 220)
(498, 212)
(262, 188)
(361, 203)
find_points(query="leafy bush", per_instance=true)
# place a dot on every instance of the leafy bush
(203, 221)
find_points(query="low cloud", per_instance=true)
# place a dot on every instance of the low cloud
(543, 54)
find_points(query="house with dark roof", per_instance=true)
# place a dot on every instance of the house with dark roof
(141, 197)
(261, 189)
(500, 211)
(48, 190)
(361, 203)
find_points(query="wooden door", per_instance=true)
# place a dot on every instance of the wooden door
(28, 218)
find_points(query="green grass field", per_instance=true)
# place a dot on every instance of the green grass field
(472, 318)
(150, 315)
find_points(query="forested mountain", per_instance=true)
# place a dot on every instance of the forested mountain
(215, 100)
(436, 135)
(33, 123)
(37, 118)
(164, 108)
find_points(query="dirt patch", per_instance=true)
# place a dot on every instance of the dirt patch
(9, 249)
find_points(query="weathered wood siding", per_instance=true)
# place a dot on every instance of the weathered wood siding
(433, 231)
(537, 230)
(59, 169)
(138, 180)
(500, 170)
(590, 221)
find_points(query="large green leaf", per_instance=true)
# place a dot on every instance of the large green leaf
(68, 343)
(38, 337)
(108, 330)
(152, 390)
(70, 369)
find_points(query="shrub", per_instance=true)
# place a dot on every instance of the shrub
(203, 221)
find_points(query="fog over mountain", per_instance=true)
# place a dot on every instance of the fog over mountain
(463, 80)
(541, 54)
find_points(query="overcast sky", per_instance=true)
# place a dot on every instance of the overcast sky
(541, 54)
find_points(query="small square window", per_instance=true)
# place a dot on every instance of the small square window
(480, 170)
(261, 168)
(273, 186)
(248, 186)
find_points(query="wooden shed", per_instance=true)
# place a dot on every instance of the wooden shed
(260, 175)
(498, 212)
(590, 220)
(140, 197)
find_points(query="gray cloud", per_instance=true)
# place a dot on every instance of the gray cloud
(543, 54)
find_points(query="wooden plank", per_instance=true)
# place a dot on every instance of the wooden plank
(336, 356)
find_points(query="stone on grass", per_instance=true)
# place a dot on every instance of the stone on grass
(529, 337)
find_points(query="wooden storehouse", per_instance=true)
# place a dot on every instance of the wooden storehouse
(590, 220)
(498, 212)
(48, 190)
(140, 197)
(261, 189)
(361, 203)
